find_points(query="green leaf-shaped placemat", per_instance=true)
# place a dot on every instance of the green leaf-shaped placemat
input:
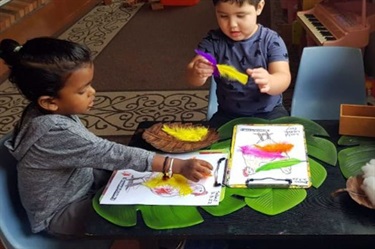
(352, 140)
(321, 149)
(121, 215)
(225, 144)
(167, 217)
(156, 217)
(277, 201)
(234, 200)
(248, 192)
(227, 206)
(318, 173)
(351, 160)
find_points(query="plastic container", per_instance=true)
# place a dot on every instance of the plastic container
(179, 2)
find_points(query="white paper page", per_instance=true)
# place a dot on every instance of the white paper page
(257, 145)
(132, 187)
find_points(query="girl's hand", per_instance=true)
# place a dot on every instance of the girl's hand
(261, 77)
(193, 169)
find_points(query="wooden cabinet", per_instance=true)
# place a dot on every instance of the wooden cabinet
(51, 19)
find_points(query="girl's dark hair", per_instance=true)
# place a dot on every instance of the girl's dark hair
(42, 65)
(239, 2)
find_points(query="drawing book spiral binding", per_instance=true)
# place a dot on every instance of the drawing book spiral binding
(272, 155)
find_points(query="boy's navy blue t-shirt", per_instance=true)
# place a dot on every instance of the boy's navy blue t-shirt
(264, 47)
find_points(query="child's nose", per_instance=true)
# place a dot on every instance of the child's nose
(92, 90)
(232, 23)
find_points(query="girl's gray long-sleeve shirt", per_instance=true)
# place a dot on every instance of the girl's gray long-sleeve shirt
(56, 155)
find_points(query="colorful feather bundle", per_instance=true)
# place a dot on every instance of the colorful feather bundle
(232, 73)
(211, 59)
(258, 152)
(226, 71)
(276, 147)
(189, 134)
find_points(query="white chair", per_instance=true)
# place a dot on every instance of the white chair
(328, 77)
(15, 232)
(212, 99)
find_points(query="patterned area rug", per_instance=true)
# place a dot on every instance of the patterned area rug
(114, 113)
(118, 113)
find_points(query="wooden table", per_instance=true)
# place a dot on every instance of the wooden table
(320, 221)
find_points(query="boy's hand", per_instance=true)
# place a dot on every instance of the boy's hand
(195, 169)
(202, 68)
(261, 77)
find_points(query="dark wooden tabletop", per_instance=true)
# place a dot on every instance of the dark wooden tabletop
(320, 220)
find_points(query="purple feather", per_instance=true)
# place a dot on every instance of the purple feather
(211, 59)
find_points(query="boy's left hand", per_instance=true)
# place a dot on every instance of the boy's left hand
(261, 77)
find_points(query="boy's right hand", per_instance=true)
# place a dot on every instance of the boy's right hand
(199, 70)
(202, 68)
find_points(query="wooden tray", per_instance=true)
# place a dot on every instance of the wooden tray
(357, 120)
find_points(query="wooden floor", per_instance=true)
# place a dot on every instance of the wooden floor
(15, 10)
(25, 19)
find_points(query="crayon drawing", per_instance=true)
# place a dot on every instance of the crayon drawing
(132, 187)
(267, 155)
(263, 151)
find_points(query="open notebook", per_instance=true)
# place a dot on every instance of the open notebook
(268, 156)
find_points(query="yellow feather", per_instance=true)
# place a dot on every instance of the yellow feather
(178, 182)
(190, 134)
(232, 73)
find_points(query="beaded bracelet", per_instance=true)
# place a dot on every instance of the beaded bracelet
(164, 168)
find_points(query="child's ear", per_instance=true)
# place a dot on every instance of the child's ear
(48, 103)
(260, 7)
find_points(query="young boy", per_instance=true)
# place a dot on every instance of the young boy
(250, 48)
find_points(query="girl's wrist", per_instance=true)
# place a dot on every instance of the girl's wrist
(177, 166)
(171, 166)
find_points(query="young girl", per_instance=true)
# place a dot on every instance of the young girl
(251, 48)
(60, 163)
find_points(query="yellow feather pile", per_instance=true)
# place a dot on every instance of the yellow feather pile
(178, 182)
(232, 73)
(189, 134)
